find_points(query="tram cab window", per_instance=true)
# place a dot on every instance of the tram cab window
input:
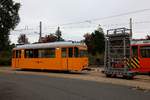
(18, 53)
(145, 51)
(70, 52)
(64, 52)
(135, 51)
(76, 52)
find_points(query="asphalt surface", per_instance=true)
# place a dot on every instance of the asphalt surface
(35, 87)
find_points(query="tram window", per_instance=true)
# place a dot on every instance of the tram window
(29, 53)
(63, 52)
(76, 52)
(35, 53)
(46, 53)
(52, 53)
(83, 53)
(18, 53)
(70, 52)
(40, 53)
(135, 51)
(145, 51)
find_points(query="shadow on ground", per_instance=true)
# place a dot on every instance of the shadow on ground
(55, 71)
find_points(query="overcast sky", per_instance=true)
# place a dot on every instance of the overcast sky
(57, 12)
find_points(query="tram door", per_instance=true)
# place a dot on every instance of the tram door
(135, 62)
(69, 58)
(18, 56)
(74, 61)
(64, 52)
(135, 51)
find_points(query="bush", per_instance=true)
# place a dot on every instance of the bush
(5, 61)
(5, 58)
(97, 57)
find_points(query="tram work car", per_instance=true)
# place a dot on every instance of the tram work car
(67, 56)
(124, 56)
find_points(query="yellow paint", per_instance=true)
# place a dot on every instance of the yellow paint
(57, 63)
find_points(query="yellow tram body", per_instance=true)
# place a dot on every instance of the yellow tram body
(51, 56)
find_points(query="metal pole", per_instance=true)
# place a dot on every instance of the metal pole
(131, 27)
(40, 29)
(105, 57)
(40, 33)
(130, 38)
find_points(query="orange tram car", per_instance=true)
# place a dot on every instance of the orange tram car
(65, 56)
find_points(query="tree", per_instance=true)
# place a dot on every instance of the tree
(58, 34)
(148, 37)
(99, 40)
(88, 41)
(23, 39)
(49, 38)
(96, 45)
(95, 41)
(9, 18)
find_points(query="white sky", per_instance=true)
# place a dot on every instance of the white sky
(58, 12)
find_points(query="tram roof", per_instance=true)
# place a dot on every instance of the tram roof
(49, 45)
(140, 42)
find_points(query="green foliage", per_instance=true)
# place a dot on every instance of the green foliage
(95, 41)
(6, 54)
(98, 41)
(23, 39)
(5, 58)
(9, 19)
(49, 38)
(93, 59)
(96, 45)
(58, 35)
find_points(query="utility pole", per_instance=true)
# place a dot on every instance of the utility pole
(40, 33)
(130, 24)
(131, 27)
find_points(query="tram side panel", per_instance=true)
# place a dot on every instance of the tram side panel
(144, 58)
(60, 61)
(145, 65)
